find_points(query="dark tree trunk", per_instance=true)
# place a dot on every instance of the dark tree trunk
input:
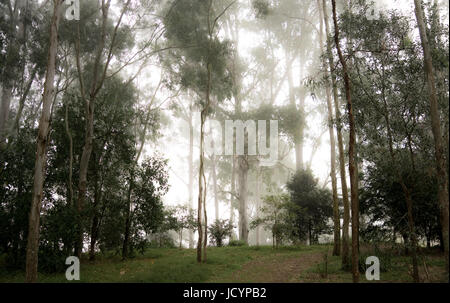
(351, 154)
(126, 238)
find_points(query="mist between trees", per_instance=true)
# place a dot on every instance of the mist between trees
(134, 125)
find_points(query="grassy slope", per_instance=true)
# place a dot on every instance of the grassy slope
(227, 264)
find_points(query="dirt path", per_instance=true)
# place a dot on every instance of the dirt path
(277, 269)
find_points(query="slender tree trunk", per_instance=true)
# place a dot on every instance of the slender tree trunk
(258, 203)
(214, 177)
(200, 192)
(89, 130)
(69, 136)
(126, 238)
(309, 233)
(406, 192)
(233, 192)
(95, 218)
(41, 147)
(243, 194)
(69, 246)
(344, 189)
(99, 75)
(299, 158)
(436, 128)
(181, 238)
(128, 213)
(98, 198)
(191, 173)
(351, 154)
(84, 165)
(336, 218)
(202, 231)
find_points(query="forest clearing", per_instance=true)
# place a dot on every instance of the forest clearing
(216, 141)
(262, 264)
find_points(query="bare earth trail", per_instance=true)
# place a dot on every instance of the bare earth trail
(278, 269)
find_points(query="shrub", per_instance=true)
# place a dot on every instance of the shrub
(219, 230)
(237, 243)
(384, 257)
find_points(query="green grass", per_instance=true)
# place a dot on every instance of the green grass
(169, 265)
(398, 272)
(180, 265)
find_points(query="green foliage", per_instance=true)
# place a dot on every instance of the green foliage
(314, 206)
(16, 175)
(220, 230)
(393, 121)
(235, 243)
(299, 215)
(278, 217)
(162, 240)
(193, 27)
(385, 257)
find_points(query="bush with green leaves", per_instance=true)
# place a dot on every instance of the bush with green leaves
(220, 230)
(313, 206)
(385, 258)
(235, 243)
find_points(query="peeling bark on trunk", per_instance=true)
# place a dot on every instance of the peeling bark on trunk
(41, 150)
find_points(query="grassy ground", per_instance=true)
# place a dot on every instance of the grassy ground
(398, 270)
(230, 264)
